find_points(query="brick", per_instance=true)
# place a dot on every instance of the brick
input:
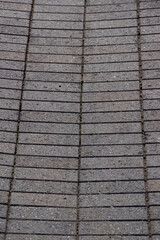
(152, 137)
(39, 237)
(155, 227)
(57, 24)
(12, 56)
(58, 9)
(60, 16)
(152, 126)
(13, 39)
(58, 33)
(61, 151)
(15, 22)
(6, 159)
(14, 30)
(62, 3)
(112, 187)
(56, 41)
(14, 14)
(111, 106)
(46, 174)
(106, 214)
(8, 114)
(5, 171)
(151, 115)
(11, 74)
(110, 96)
(112, 200)
(153, 173)
(42, 213)
(111, 86)
(111, 174)
(3, 211)
(153, 185)
(110, 41)
(151, 84)
(4, 184)
(8, 126)
(43, 186)
(2, 225)
(52, 106)
(53, 162)
(155, 211)
(114, 15)
(111, 162)
(153, 148)
(4, 197)
(13, 84)
(12, 104)
(151, 104)
(117, 228)
(50, 116)
(12, 47)
(36, 199)
(17, 7)
(146, 39)
(111, 8)
(52, 86)
(53, 67)
(114, 49)
(54, 58)
(111, 58)
(44, 138)
(113, 238)
(154, 198)
(111, 24)
(39, 227)
(149, 94)
(152, 161)
(111, 117)
(105, 67)
(111, 128)
(49, 128)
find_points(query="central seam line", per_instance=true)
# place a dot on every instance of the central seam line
(19, 120)
(80, 121)
(142, 119)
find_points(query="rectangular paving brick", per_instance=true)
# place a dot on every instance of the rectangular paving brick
(39, 237)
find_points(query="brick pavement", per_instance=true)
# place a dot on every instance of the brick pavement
(79, 118)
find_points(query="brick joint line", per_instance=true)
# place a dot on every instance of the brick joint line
(80, 120)
(19, 119)
(142, 119)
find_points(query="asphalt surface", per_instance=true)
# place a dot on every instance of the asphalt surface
(79, 120)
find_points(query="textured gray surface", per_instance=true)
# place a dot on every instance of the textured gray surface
(79, 159)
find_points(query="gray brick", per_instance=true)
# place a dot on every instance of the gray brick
(56, 41)
(6, 159)
(111, 76)
(50, 117)
(111, 162)
(4, 170)
(44, 199)
(112, 200)
(152, 126)
(109, 106)
(61, 151)
(49, 128)
(150, 12)
(111, 40)
(154, 64)
(11, 74)
(149, 30)
(58, 9)
(154, 198)
(58, 33)
(4, 184)
(44, 138)
(57, 77)
(8, 126)
(111, 8)
(146, 39)
(3, 211)
(152, 115)
(150, 84)
(40, 237)
(52, 106)
(105, 67)
(106, 214)
(111, 117)
(57, 24)
(46, 174)
(152, 137)
(117, 228)
(52, 86)
(111, 58)
(155, 227)
(155, 212)
(112, 187)
(156, 237)
(113, 15)
(54, 58)
(62, 17)
(45, 186)
(149, 94)
(54, 67)
(12, 47)
(149, 55)
(14, 14)
(111, 86)
(53, 162)
(8, 148)
(153, 161)
(33, 49)
(14, 22)
(11, 83)
(151, 104)
(2, 225)
(8, 114)
(12, 104)
(13, 39)
(149, 5)
(153, 185)
(132, 48)
(43, 213)
(153, 148)
(111, 174)
(111, 24)
(4, 197)
(39, 227)
(62, 3)
(112, 238)
(17, 7)
(110, 96)
(153, 173)
(12, 56)
(14, 30)
(111, 128)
